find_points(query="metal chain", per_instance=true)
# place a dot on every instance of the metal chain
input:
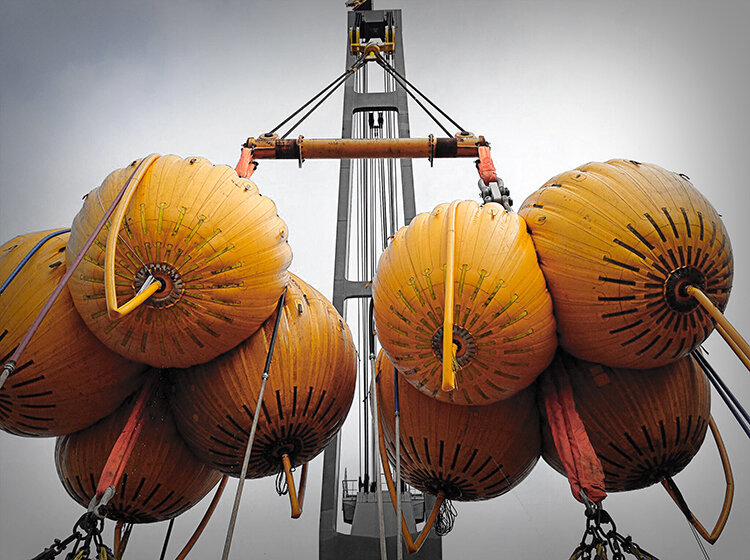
(598, 540)
(87, 533)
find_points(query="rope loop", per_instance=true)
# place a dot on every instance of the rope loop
(446, 517)
(282, 487)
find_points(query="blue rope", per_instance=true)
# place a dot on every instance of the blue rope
(30, 254)
(395, 390)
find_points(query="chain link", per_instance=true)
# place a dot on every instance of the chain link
(601, 541)
(87, 534)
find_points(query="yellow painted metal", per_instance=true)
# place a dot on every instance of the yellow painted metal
(726, 507)
(503, 326)
(356, 46)
(618, 243)
(733, 338)
(271, 147)
(216, 246)
(307, 397)
(67, 379)
(449, 348)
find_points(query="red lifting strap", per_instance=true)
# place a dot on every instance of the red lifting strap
(581, 464)
(246, 166)
(486, 168)
(123, 447)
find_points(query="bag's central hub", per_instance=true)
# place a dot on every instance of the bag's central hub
(169, 279)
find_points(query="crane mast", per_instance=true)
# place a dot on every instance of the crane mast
(376, 196)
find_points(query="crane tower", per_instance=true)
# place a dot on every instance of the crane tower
(376, 197)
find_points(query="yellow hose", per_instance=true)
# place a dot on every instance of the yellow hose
(109, 256)
(293, 500)
(725, 328)
(745, 360)
(411, 545)
(676, 495)
(202, 525)
(449, 377)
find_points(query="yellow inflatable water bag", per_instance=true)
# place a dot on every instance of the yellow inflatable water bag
(66, 379)
(214, 245)
(161, 478)
(503, 330)
(619, 244)
(467, 453)
(309, 390)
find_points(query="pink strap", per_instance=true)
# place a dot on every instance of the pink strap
(246, 166)
(581, 464)
(123, 447)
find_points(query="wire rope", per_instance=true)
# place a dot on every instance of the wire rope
(318, 104)
(697, 538)
(391, 132)
(397, 414)
(166, 539)
(336, 82)
(396, 73)
(422, 106)
(368, 223)
(251, 437)
(733, 404)
(361, 220)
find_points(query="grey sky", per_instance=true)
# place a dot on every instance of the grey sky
(86, 87)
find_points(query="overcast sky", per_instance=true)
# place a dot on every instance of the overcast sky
(86, 87)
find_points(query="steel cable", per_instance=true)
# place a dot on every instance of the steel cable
(251, 438)
(338, 83)
(335, 83)
(402, 80)
(734, 405)
(421, 105)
